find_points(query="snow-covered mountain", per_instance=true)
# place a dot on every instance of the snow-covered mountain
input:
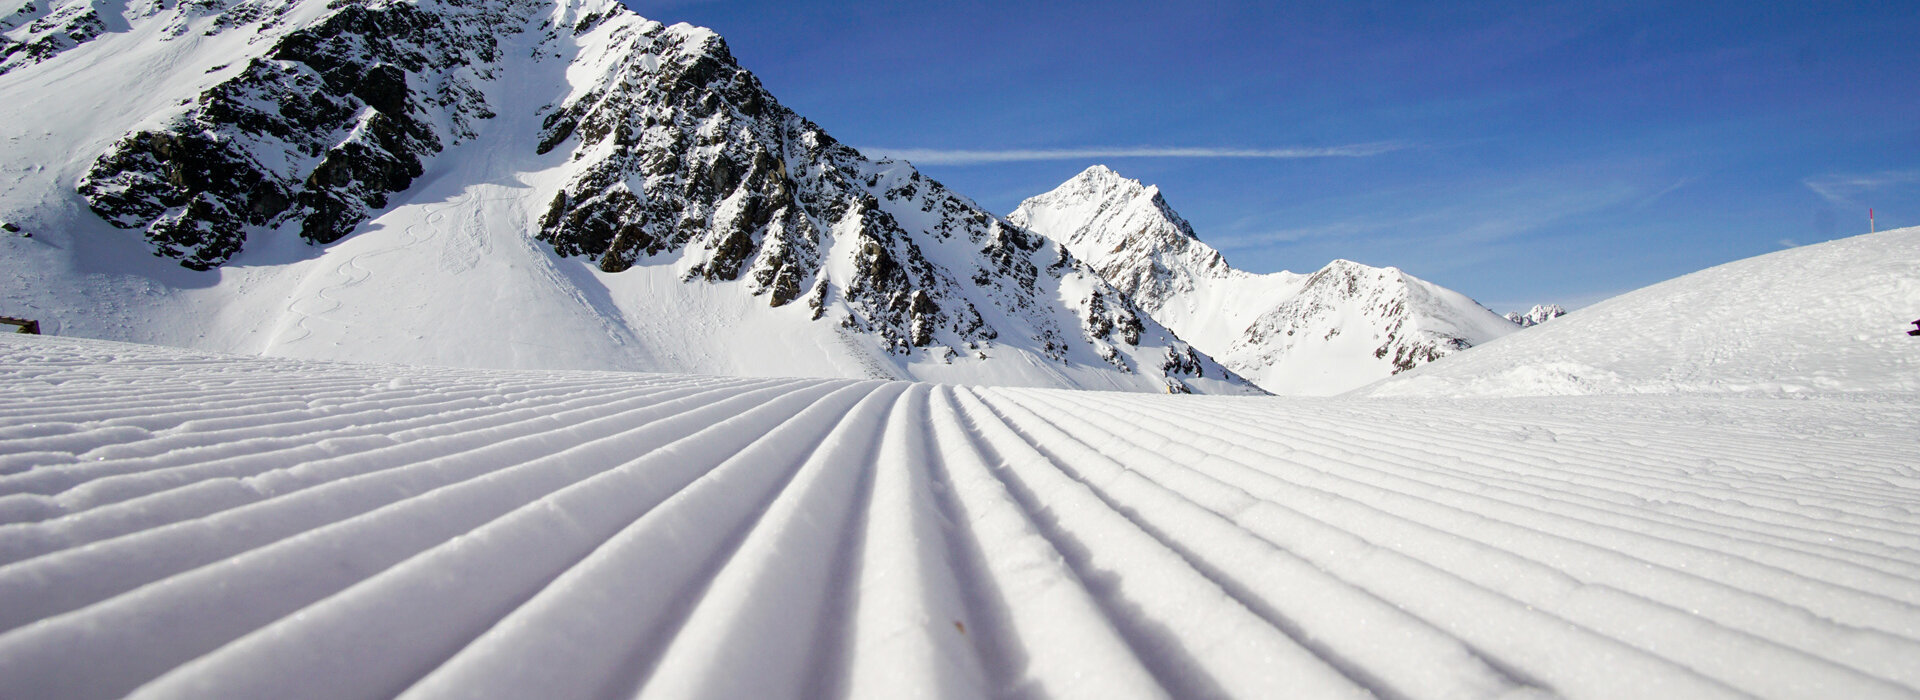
(514, 183)
(1540, 313)
(1819, 318)
(1336, 329)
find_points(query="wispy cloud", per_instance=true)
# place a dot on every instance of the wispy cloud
(1649, 200)
(1474, 221)
(1262, 239)
(1846, 190)
(935, 156)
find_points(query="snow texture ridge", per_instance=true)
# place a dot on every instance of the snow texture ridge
(1339, 328)
(187, 524)
(1819, 318)
(511, 183)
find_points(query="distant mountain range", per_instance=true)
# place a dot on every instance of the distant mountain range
(1341, 327)
(1540, 313)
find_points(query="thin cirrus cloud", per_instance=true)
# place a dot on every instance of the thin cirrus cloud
(935, 156)
(1488, 216)
(1849, 190)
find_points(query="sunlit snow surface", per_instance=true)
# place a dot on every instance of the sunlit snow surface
(193, 525)
(1825, 317)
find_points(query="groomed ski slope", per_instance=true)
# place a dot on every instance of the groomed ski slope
(192, 525)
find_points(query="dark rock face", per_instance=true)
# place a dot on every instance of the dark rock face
(317, 132)
(1184, 361)
(691, 155)
(26, 12)
(49, 33)
(1409, 356)
(676, 170)
(183, 188)
(1112, 321)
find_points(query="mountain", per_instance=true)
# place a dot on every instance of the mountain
(1829, 317)
(508, 183)
(1540, 313)
(1336, 329)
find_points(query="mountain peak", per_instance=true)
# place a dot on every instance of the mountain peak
(693, 35)
(1344, 269)
(1108, 178)
(1540, 313)
(1126, 231)
(1102, 191)
(1342, 326)
(1101, 183)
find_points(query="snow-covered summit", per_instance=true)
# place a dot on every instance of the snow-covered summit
(514, 183)
(1127, 232)
(1349, 324)
(1339, 328)
(1540, 313)
(1819, 318)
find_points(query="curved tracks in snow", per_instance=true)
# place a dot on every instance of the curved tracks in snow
(189, 525)
(352, 273)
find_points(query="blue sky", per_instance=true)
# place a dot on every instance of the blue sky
(1520, 153)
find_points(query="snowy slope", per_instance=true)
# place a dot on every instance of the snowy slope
(184, 524)
(509, 183)
(1824, 317)
(1339, 328)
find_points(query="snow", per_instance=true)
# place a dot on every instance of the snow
(189, 524)
(432, 459)
(1540, 313)
(1118, 225)
(1337, 329)
(449, 274)
(1828, 317)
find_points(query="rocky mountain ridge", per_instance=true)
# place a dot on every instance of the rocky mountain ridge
(1341, 327)
(314, 134)
(654, 153)
(1540, 313)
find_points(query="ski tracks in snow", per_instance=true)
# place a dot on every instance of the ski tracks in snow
(177, 524)
(351, 273)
